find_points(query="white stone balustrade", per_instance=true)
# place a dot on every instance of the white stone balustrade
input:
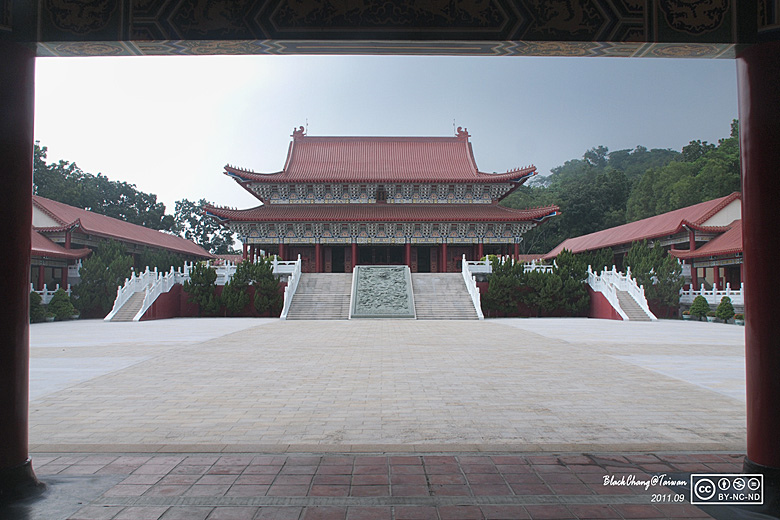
(485, 266)
(471, 285)
(611, 280)
(47, 293)
(714, 295)
(292, 284)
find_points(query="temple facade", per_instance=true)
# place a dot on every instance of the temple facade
(339, 202)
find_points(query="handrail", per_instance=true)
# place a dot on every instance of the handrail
(292, 286)
(599, 283)
(471, 286)
(132, 285)
(623, 282)
(47, 293)
(714, 295)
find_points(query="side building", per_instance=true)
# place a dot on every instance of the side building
(706, 237)
(339, 202)
(62, 235)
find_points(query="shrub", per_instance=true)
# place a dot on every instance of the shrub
(61, 306)
(725, 310)
(202, 289)
(711, 314)
(686, 313)
(739, 316)
(267, 297)
(105, 270)
(699, 307)
(37, 310)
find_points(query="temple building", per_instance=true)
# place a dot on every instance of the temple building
(706, 237)
(62, 235)
(345, 201)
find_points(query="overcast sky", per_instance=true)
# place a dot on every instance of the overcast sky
(170, 124)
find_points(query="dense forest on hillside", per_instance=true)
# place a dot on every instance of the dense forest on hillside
(606, 189)
(601, 190)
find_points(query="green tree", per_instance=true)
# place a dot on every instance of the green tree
(503, 288)
(105, 270)
(725, 310)
(161, 259)
(572, 271)
(193, 224)
(202, 289)
(61, 306)
(67, 183)
(658, 272)
(699, 307)
(267, 296)
(37, 310)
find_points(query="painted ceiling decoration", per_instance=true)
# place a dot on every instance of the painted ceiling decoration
(652, 28)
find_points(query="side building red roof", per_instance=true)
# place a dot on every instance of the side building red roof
(313, 159)
(42, 247)
(729, 243)
(100, 225)
(646, 229)
(382, 213)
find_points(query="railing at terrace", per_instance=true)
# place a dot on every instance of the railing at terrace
(134, 284)
(713, 296)
(47, 293)
(486, 267)
(471, 286)
(292, 285)
(612, 281)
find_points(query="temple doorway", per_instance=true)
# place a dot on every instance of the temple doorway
(381, 255)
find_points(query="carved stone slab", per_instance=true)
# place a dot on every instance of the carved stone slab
(382, 291)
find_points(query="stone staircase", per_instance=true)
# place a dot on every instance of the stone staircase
(321, 296)
(442, 296)
(130, 308)
(631, 307)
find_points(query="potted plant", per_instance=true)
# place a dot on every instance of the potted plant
(686, 315)
(49, 317)
(711, 316)
(739, 319)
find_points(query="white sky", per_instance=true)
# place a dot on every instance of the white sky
(170, 124)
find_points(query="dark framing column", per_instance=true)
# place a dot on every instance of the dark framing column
(408, 254)
(758, 80)
(443, 260)
(17, 92)
(317, 258)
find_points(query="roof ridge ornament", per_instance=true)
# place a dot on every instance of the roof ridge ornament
(462, 133)
(298, 133)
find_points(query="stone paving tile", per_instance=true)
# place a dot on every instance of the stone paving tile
(320, 393)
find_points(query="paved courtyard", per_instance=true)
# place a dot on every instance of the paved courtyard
(209, 419)
(373, 385)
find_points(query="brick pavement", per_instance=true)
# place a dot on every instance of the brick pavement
(379, 486)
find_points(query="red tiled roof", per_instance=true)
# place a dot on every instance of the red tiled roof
(646, 229)
(381, 213)
(729, 243)
(380, 159)
(43, 247)
(101, 225)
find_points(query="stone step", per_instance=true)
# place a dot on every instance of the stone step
(131, 307)
(631, 308)
(321, 296)
(441, 296)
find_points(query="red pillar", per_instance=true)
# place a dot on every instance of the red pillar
(17, 89)
(758, 80)
(246, 247)
(281, 251)
(443, 261)
(694, 275)
(480, 251)
(64, 281)
(408, 254)
(354, 255)
(317, 258)
(517, 251)
(41, 276)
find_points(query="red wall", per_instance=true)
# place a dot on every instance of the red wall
(600, 307)
(175, 304)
